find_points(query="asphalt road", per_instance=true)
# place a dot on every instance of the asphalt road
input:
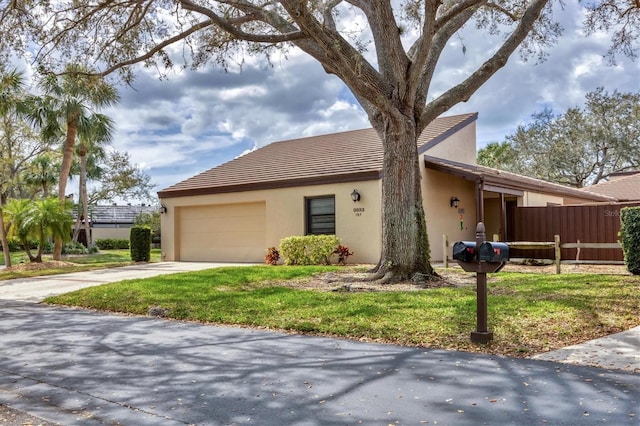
(76, 367)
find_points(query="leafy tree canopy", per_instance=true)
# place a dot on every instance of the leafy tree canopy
(580, 147)
(120, 178)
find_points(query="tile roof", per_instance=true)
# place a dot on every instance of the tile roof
(117, 214)
(501, 178)
(626, 188)
(339, 157)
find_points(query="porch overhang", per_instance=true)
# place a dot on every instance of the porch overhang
(508, 183)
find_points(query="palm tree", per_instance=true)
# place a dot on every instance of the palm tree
(39, 220)
(42, 173)
(100, 130)
(11, 84)
(68, 101)
(15, 213)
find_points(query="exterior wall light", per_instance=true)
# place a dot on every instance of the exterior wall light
(455, 202)
(355, 196)
(163, 209)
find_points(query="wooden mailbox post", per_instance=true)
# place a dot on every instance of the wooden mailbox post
(474, 260)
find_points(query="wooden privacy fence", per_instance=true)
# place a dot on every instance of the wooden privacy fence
(595, 224)
(555, 245)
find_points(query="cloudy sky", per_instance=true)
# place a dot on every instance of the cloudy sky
(196, 120)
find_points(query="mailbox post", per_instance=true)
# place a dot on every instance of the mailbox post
(481, 257)
(482, 334)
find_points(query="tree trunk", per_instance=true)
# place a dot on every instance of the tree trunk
(65, 169)
(82, 221)
(405, 245)
(5, 243)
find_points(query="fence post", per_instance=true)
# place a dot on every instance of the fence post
(556, 238)
(445, 250)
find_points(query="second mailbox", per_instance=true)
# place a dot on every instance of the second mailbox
(493, 252)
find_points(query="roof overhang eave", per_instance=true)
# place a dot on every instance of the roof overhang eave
(278, 184)
(502, 184)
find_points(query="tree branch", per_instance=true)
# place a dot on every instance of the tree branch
(227, 24)
(432, 51)
(156, 49)
(464, 90)
(338, 57)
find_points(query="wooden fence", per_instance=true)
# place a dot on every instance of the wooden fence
(595, 227)
(554, 245)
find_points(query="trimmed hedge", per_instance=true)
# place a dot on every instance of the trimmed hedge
(112, 244)
(140, 238)
(630, 238)
(308, 250)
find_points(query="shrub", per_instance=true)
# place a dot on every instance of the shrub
(48, 247)
(140, 239)
(74, 248)
(308, 250)
(14, 245)
(112, 243)
(630, 238)
(272, 256)
(321, 248)
(343, 254)
(293, 251)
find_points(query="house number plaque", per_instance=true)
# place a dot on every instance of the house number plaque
(358, 211)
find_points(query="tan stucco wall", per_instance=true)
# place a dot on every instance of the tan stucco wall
(567, 201)
(534, 199)
(460, 147)
(285, 215)
(442, 219)
(104, 233)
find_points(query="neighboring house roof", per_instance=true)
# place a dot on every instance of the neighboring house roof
(339, 157)
(117, 214)
(624, 188)
(500, 180)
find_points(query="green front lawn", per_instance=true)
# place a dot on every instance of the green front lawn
(528, 313)
(73, 263)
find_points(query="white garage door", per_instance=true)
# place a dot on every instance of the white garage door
(222, 233)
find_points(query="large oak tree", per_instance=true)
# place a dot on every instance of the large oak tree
(391, 77)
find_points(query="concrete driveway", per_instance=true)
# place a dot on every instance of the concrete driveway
(37, 289)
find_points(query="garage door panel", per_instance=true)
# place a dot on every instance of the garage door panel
(199, 226)
(231, 233)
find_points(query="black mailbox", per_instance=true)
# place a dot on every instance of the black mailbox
(493, 252)
(464, 251)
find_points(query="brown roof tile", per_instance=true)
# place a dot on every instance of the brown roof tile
(625, 188)
(338, 157)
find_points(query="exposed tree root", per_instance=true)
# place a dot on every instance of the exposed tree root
(344, 282)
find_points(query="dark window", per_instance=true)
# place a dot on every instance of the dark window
(321, 215)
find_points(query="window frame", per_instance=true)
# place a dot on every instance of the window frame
(309, 216)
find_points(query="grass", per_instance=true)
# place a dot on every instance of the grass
(528, 313)
(84, 262)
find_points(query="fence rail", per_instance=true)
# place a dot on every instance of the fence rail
(556, 245)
